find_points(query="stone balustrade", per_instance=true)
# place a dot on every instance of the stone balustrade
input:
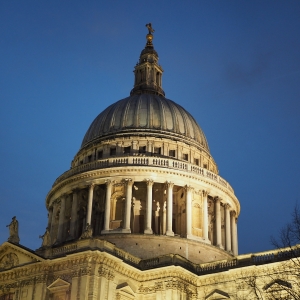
(144, 161)
(176, 259)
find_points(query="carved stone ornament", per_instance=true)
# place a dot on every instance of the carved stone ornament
(88, 232)
(8, 261)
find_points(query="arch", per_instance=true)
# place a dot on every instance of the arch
(117, 209)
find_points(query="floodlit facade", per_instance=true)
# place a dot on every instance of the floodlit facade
(142, 214)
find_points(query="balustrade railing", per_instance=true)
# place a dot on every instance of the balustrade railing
(144, 161)
(176, 259)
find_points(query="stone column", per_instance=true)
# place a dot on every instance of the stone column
(149, 147)
(53, 227)
(119, 148)
(188, 210)
(50, 218)
(107, 207)
(227, 228)
(126, 224)
(164, 218)
(148, 229)
(90, 204)
(218, 221)
(233, 233)
(74, 213)
(205, 216)
(169, 208)
(134, 147)
(61, 219)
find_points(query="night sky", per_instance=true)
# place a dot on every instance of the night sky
(234, 65)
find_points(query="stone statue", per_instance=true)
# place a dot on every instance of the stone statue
(150, 29)
(13, 231)
(88, 232)
(46, 238)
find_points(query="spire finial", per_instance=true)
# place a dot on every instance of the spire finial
(147, 72)
(149, 36)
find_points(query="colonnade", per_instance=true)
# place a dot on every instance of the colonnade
(230, 219)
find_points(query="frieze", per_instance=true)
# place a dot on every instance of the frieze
(64, 249)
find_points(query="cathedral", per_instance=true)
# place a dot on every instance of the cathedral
(142, 214)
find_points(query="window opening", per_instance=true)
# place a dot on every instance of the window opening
(113, 151)
(172, 153)
(127, 150)
(142, 149)
(100, 154)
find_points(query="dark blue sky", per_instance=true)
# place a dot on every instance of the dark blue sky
(234, 65)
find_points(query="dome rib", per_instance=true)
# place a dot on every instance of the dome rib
(147, 113)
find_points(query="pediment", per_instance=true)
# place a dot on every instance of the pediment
(217, 295)
(125, 290)
(59, 286)
(12, 255)
(277, 285)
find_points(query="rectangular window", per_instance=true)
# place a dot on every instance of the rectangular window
(196, 161)
(113, 151)
(100, 154)
(81, 162)
(157, 150)
(205, 166)
(142, 149)
(89, 158)
(172, 153)
(127, 150)
(185, 156)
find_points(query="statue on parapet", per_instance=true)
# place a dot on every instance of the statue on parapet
(46, 239)
(88, 232)
(150, 29)
(13, 231)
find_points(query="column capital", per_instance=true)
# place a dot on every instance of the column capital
(189, 188)
(204, 193)
(227, 206)
(108, 182)
(169, 184)
(232, 213)
(217, 199)
(91, 185)
(149, 182)
(128, 181)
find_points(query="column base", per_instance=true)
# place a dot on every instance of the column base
(207, 241)
(170, 233)
(221, 247)
(105, 231)
(148, 231)
(196, 238)
(126, 230)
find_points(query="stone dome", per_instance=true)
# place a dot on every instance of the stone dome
(146, 114)
(144, 177)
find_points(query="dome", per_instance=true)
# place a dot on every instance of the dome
(143, 177)
(146, 114)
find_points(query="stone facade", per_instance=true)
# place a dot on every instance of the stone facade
(142, 214)
(97, 269)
